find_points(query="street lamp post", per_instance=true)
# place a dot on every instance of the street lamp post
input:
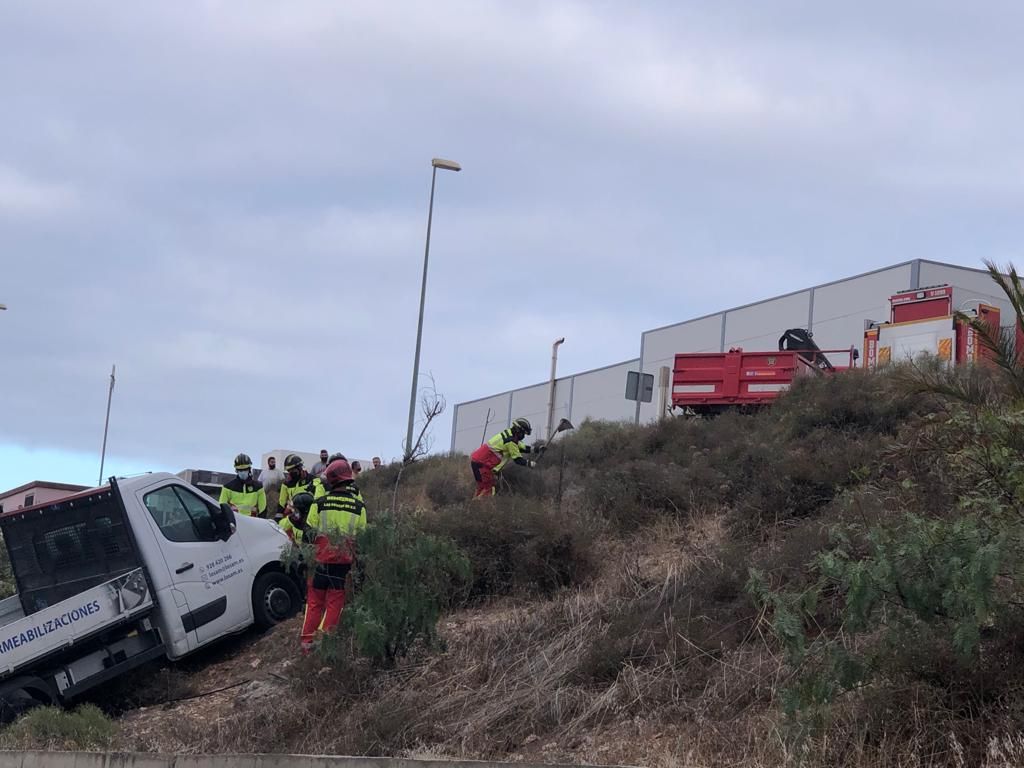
(445, 165)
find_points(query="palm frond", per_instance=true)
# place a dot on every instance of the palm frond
(1002, 348)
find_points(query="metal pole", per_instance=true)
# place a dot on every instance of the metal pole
(419, 327)
(664, 382)
(551, 384)
(487, 423)
(106, 422)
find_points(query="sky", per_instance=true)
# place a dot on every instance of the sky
(228, 200)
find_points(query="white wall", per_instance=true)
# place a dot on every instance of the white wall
(308, 459)
(598, 394)
(601, 394)
(470, 420)
(836, 315)
(532, 403)
(840, 309)
(759, 326)
(660, 347)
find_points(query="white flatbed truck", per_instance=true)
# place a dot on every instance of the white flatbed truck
(116, 576)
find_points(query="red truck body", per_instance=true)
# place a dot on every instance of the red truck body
(702, 379)
(714, 381)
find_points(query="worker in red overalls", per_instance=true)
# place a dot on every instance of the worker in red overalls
(331, 524)
(491, 457)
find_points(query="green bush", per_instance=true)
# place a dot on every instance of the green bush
(926, 595)
(599, 443)
(518, 545)
(851, 401)
(789, 461)
(437, 479)
(52, 728)
(406, 578)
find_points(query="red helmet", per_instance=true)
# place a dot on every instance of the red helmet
(338, 471)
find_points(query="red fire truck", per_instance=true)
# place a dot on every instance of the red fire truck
(923, 321)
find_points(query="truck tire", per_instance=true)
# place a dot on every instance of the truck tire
(21, 694)
(274, 599)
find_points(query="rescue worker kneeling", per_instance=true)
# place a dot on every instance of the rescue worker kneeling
(294, 524)
(491, 457)
(294, 521)
(332, 523)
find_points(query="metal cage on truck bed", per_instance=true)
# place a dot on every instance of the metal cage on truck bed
(61, 549)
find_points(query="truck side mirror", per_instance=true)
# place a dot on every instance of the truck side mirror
(224, 522)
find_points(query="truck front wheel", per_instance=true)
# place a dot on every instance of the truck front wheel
(274, 599)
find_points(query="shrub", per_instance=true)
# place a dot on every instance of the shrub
(685, 623)
(407, 578)
(437, 479)
(524, 482)
(52, 728)
(852, 401)
(928, 595)
(518, 545)
(597, 443)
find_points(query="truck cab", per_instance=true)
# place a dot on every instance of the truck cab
(115, 576)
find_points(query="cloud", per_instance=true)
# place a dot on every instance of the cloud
(229, 200)
(21, 195)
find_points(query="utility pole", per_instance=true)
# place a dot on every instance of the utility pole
(106, 423)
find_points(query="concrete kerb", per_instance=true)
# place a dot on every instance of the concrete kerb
(35, 759)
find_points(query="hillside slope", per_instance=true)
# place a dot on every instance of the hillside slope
(833, 582)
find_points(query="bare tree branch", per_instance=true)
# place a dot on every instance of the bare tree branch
(432, 405)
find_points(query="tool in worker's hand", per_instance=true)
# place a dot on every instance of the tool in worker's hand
(563, 426)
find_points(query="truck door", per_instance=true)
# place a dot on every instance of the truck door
(210, 574)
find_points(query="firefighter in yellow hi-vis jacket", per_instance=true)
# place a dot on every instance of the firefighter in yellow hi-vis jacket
(244, 492)
(491, 457)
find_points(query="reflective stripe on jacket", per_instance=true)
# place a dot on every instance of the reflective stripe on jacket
(293, 531)
(337, 517)
(290, 489)
(505, 447)
(247, 496)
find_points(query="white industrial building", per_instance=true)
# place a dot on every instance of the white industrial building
(835, 312)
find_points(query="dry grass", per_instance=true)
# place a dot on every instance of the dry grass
(511, 683)
(510, 686)
(516, 682)
(648, 653)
